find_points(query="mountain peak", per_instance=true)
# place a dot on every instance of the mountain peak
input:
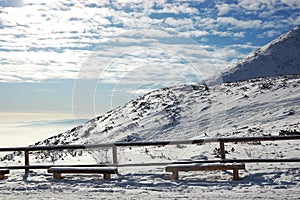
(279, 57)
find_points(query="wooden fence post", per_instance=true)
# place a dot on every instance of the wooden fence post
(222, 150)
(115, 154)
(26, 161)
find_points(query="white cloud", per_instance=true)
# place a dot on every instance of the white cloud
(51, 39)
(269, 34)
(254, 5)
(182, 23)
(240, 23)
(221, 33)
(228, 34)
(224, 8)
(176, 8)
(146, 33)
(239, 34)
(194, 33)
(244, 46)
(164, 64)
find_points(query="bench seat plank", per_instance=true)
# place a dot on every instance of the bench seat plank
(201, 167)
(111, 170)
(106, 171)
(175, 168)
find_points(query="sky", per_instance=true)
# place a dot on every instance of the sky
(67, 59)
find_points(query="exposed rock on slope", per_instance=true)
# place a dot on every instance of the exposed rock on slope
(266, 105)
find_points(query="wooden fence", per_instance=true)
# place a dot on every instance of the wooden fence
(114, 147)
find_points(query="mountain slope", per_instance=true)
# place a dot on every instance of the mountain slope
(189, 111)
(184, 112)
(257, 107)
(279, 57)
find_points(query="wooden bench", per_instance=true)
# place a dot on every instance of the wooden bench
(175, 168)
(106, 171)
(2, 172)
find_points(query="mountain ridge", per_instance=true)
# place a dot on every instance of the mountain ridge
(156, 114)
(279, 57)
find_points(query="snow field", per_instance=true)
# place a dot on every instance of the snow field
(263, 180)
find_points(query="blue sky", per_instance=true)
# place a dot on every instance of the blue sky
(85, 57)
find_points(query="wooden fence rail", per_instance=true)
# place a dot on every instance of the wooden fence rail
(114, 146)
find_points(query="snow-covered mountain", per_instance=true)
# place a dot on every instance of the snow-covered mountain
(279, 57)
(265, 105)
(256, 107)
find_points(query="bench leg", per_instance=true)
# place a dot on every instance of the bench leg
(175, 175)
(1, 176)
(235, 174)
(107, 176)
(57, 175)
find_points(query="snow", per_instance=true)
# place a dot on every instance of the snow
(259, 181)
(256, 107)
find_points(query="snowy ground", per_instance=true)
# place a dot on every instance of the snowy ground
(264, 180)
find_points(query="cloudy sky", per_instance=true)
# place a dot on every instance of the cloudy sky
(83, 57)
